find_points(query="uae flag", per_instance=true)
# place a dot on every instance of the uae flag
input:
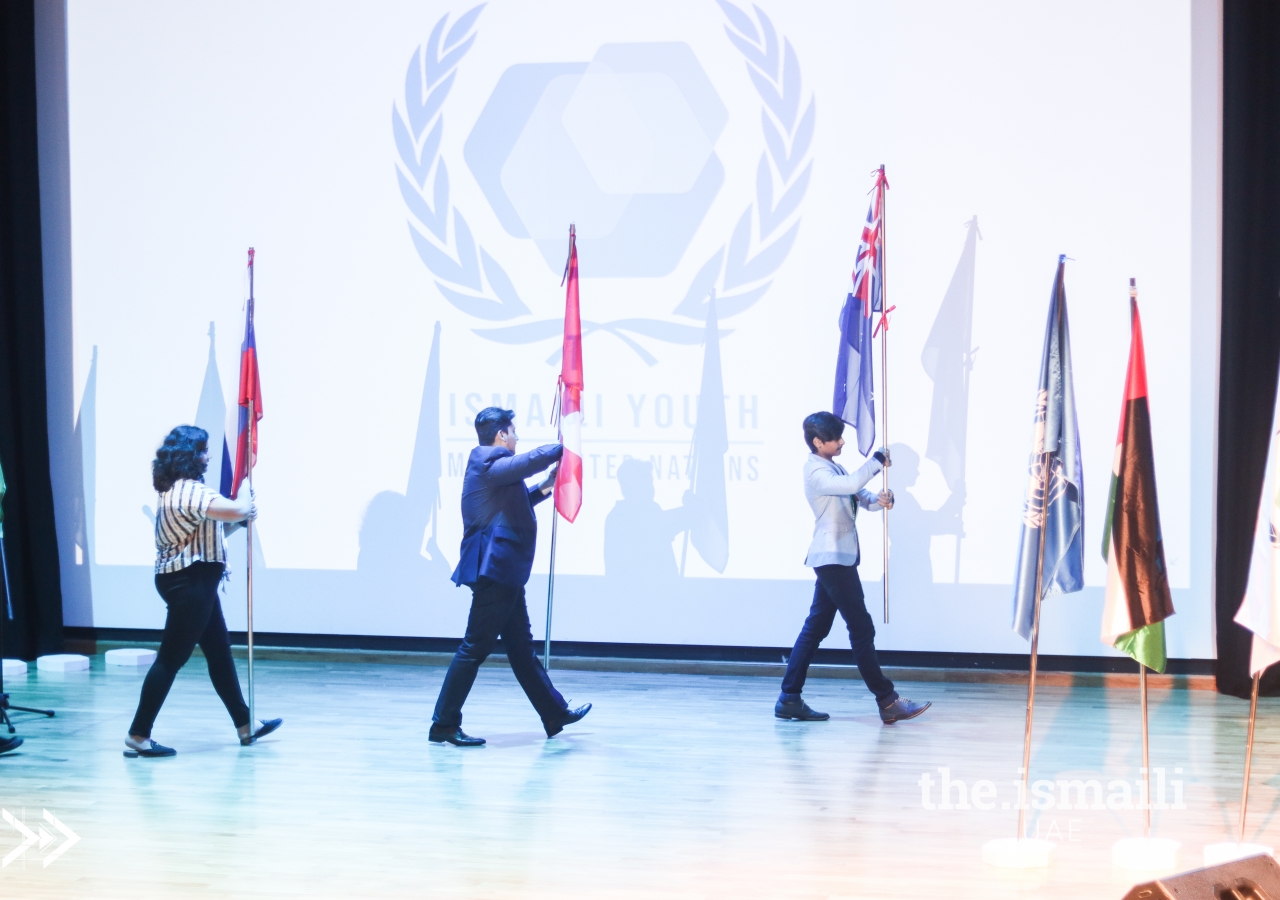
(569, 475)
(1138, 599)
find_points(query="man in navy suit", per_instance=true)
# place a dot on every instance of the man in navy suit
(498, 540)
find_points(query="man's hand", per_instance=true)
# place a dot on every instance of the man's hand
(885, 499)
(883, 455)
(547, 485)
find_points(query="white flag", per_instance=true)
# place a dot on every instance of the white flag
(1260, 611)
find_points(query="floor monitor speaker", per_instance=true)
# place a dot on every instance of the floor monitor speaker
(1254, 878)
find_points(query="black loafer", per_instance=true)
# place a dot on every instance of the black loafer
(12, 743)
(455, 736)
(150, 750)
(570, 716)
(798, 710)
(268, 726)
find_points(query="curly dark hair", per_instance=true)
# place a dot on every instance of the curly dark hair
(179, 457)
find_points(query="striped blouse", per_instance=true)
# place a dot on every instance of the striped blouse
(184, 534)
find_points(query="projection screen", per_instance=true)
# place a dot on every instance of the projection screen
(407, 173)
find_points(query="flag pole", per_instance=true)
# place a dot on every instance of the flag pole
(248, 536)
(1035, 641)
(1146, 762)
(884, 374)
(1248, 755)
(551, 585)
(248, 531)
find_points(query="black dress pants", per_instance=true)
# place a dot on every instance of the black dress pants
(195, 617)
(497, 610)
(838, 590)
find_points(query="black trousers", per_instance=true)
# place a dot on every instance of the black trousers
(497, 609)
(195, 617)
(838, 590)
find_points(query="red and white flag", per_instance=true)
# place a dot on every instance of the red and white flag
(569, 476)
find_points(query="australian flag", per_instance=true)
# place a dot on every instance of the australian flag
(1055, 480)
(854, 399)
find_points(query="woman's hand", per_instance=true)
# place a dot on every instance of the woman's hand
(224, 510)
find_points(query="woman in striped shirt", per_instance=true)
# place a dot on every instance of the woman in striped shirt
(191, 560)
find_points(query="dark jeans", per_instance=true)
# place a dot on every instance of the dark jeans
(195, 617)
(838, 590)
(497, 609)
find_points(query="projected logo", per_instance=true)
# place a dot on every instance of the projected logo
(624, 145)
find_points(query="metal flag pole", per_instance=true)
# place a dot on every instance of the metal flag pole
(551, 586)
(884, 371)
(555, 522)
(1035, 642)
(1146, 762)
(1248, 755)
(248, 532)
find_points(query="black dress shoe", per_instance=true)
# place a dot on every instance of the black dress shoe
(11, 743)
(455, 736)
(901, 709)
(268, 726)
(570, 716)
(799, 710)
(148, 749)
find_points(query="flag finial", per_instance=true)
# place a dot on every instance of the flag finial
(1133, 289)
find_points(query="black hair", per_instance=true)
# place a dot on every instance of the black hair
(824, 425)
(179, 457)
(491, 420)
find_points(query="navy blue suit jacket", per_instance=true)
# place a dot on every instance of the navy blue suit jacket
(499, 530)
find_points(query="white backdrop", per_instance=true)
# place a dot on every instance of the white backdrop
(394, 172)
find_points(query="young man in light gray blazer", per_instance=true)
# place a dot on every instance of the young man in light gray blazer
(835, 496)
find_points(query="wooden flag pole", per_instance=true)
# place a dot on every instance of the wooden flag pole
(1035, 641)
(884, 373)
(1248, 755)
(1146, 761)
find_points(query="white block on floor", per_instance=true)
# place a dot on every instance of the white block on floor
(1014, 853)
(14, 668)
(1156, 855)
(62, 662)
(131, 656)
(1217, 854)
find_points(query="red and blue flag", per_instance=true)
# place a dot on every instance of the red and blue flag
(250, 398)
(854, 398)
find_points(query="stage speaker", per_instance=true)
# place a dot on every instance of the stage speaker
(1255, 878)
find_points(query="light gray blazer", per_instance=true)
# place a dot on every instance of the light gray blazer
(831, 492)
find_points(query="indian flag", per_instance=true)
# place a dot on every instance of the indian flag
(1138, 599)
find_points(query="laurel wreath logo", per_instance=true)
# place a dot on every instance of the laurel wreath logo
(740, 272)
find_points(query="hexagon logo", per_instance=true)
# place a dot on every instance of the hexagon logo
(624, 146)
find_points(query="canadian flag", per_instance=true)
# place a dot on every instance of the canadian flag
(569, 475)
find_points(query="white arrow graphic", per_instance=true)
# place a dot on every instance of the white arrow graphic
(71, 837)
(31, 838)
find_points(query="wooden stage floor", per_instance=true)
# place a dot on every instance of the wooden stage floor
(676, 786)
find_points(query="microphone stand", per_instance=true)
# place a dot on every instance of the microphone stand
(5, 706)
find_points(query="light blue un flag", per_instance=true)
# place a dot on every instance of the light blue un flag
(1054, 504)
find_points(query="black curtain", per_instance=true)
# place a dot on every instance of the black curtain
(1250, 348)
(31, 546)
